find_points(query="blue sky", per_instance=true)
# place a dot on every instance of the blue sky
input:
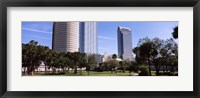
(107, 33)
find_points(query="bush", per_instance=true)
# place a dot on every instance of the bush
(143, 71)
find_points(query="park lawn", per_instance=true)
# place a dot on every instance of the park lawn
(92, 73)
(153, 73)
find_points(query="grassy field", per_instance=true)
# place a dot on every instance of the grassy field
(92, 73)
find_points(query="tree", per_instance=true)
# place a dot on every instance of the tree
(157, 63)
(105, 66)
(53, 61)
(175, 33)
(148, 51)
(42, 52)
(114, 56)
(25, 58)
(112, 65)
(164, 55)
(143, 71)
(156, 58)
(139, 59)
(83, 61)
(76, 60)
(62, 61)
(131, 66)
(91, 62)
(70, 60)
(122, 65)
(173, 62)
(175, 54)
(30, 57)
(172, 50)
(34, 55)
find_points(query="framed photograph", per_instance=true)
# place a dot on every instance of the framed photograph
(86, 48)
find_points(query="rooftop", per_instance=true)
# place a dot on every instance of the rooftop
(124, 28)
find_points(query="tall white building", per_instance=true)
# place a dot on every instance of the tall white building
(88, 37)
(65, 37)
(124, 38)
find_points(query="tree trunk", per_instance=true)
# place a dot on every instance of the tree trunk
(24, 70)
(64, 69)
(149, 67)
(28, 70)
(123, 70)
(32, 73)
(172, 69)
(157, 71)
(45, 68)
(81, 70)
(68, 69)
(75, 70)
(163, 69)
(37, 70)
(54, 70)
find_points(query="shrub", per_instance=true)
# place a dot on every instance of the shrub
(143, 71)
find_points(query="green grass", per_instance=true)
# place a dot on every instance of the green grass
(92, 73)
(153, 73)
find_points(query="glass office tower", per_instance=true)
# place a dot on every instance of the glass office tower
(124, 38)
(88, 37)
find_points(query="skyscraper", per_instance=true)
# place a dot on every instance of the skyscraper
(65, 36)
(88, 37)
(124, 37)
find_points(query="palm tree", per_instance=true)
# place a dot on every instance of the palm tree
(175, 33)
(114, 56)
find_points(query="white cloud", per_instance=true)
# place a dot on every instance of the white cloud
(105, 37)
(35, 30)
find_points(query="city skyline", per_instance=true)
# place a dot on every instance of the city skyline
(107, 33)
